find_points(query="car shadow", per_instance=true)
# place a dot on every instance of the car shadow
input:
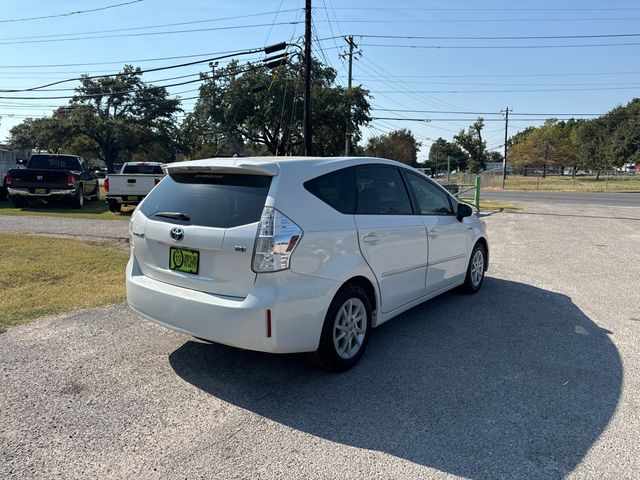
(513, 382)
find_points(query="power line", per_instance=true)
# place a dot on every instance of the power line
(147, 27)
(501, 75)
(481, 113)
(114, 62)
(68, 14)
(166, 32)
(631, 87)
(131, 91)
(482, 47)
(430, 9)
(527, 37)
(429, 120)
(495, 20)
(148, 70)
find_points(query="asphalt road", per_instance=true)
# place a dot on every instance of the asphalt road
(537, 376)
(574, 198)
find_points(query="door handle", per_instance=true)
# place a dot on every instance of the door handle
(371, 237)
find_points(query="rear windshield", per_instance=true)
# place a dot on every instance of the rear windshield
(54, 162)
(208, 199)
(147, 169)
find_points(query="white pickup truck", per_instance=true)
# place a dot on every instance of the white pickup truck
(132, 184)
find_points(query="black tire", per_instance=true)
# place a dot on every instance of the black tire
(78, 199)
(95, 194)
(114, 206)
(327, 356)
(473, 279)
(18, 202)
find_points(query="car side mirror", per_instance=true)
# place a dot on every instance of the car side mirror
(464, 210)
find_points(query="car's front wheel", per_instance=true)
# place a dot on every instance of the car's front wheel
(475, 271)
(346, 330)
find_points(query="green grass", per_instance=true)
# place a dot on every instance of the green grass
(46, 275)
(621, 183)
(492, 205)
(95, 210)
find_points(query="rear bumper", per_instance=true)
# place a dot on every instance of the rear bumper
(53, 193)
(298, 307)
(122, 199)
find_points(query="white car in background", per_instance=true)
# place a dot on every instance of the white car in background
(297, 254)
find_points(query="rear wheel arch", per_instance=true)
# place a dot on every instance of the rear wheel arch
(368, 287)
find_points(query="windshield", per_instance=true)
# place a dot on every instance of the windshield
(54, 162)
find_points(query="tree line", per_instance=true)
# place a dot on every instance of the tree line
(253, 110)
(602, 143)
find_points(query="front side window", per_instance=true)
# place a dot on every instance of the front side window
(430, 199)
(381, 191)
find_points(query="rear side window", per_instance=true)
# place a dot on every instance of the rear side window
(336, 189)
(208, 199)
(146, 169)
(381, 191)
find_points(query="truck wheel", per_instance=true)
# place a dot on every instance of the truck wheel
(18, 202)
(78, 200)
(114, 206)
(95, 194)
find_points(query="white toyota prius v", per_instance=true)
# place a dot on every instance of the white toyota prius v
(285, 254)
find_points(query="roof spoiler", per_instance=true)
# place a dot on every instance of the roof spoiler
(267, 169)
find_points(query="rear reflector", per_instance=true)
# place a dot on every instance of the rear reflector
(106, 184)
(268, 323)
(7, 179)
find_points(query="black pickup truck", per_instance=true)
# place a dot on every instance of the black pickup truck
(52, 177)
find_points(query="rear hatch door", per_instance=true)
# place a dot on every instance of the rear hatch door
(197, 229)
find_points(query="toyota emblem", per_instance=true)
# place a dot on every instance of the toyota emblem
(177, 233)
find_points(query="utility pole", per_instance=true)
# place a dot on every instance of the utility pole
(308, 133)
(506, 134)
(347, 135)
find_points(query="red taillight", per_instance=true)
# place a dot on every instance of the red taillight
(8, 179)
(70, 180)
(106, 184)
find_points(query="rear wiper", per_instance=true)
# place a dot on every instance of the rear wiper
(175, 215)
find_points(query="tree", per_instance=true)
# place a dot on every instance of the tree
(122, 115)
(398, 145)
(495, 157)
(40, 134)
(258, 109)
(441, 150)
(471, 141)
(547, 145)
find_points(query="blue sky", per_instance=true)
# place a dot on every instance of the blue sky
(435, 75)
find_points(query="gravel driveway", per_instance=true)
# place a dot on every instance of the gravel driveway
(100, 230)
(536, 376)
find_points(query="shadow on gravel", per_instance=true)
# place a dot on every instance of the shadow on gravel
(514, 382)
